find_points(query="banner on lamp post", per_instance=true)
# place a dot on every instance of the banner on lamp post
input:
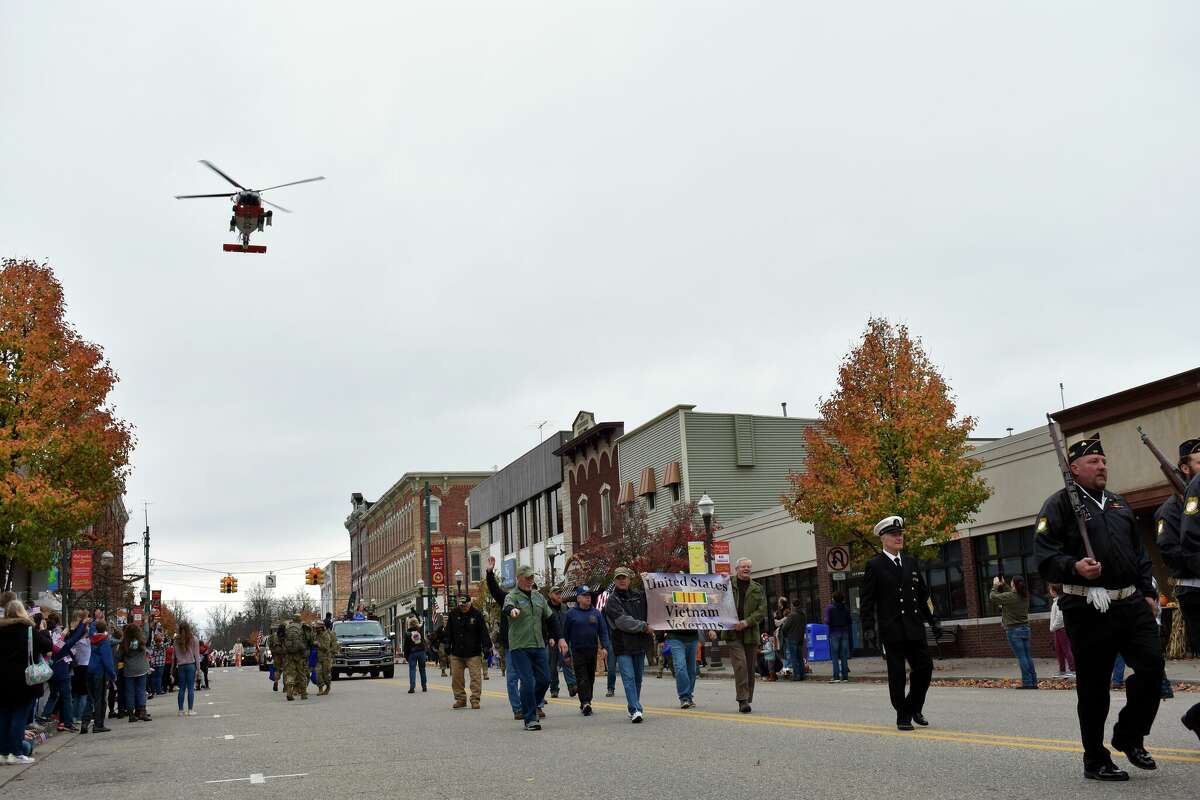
(437, 561)
(696, 562)
(679, 601)
(81, 570)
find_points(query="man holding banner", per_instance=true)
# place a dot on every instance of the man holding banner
(625, 612)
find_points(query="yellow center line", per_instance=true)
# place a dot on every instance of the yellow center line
(1186, 755)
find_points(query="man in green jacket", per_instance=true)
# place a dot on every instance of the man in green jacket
(751, 602)
(527, 611)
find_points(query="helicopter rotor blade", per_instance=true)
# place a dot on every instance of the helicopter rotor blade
(281, 208)
(213, 167)
(293, 183)
(191, 196)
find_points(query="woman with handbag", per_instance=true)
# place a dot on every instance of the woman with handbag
(23, 673)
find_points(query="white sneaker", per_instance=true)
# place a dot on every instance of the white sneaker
(182, 712)
(636, 717)
(1068, 674)
(191, 713)
(24, 759)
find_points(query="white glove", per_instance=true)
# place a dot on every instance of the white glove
(1099, 598)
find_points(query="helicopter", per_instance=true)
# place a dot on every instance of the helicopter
(248, 213)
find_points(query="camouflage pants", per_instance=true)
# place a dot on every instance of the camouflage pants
(324, 669)
(295, 674)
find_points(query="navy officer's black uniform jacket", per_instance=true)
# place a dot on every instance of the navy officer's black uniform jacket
(896, 599)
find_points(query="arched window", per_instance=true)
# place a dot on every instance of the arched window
(435, 514)
(583, 519)
(605, 511)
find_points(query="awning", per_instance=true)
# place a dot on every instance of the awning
(674, 475)
(627, 495)
(647, 485)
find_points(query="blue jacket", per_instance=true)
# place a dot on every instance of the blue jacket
(102, 657)
(581, 629)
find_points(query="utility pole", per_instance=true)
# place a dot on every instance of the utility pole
(146, 578)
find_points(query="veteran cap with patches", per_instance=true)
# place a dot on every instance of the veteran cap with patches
(1087, 446)
(623, 572)
(1190, 447)
(524, 571)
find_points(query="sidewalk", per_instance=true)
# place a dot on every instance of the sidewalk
(57, 741)
(998, 671)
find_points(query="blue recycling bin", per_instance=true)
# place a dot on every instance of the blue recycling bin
(816, 639)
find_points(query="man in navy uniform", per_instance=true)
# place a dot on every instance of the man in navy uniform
(895, 594)
(1179, 541)
(1109, 606)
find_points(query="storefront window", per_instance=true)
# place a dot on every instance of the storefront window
(1008, 553)
(944, 577)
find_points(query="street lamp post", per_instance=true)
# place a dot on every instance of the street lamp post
(458, 576)
(464, 530)
(553, 555)
(422, 610)
(106, 559)
(706, 507)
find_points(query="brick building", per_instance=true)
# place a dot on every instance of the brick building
(335, 591)
(387, 540)
(591, 476)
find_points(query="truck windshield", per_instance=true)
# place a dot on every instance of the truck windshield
(361, 628)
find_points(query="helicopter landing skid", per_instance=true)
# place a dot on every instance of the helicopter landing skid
(245, 248)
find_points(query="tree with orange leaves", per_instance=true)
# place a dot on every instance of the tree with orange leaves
(889, 443)
(63, 452)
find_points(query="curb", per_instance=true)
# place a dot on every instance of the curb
(57, 742)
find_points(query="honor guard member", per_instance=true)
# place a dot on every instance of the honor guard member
(1109, 605)
(1182, 554)
(894, 594)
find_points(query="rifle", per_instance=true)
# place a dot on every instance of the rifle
(1174, 477)
(1081, 513)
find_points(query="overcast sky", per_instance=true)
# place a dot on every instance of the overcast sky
(533, 208)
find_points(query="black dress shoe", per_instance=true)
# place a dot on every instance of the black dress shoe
(1138, 757)
(920, 720)
(1191, 720)
(904, 725)
(1105, 772)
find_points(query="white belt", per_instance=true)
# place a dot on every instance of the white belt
(1114, 594)
(1193, 582)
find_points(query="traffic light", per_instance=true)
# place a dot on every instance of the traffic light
(314, 576)
(308, 576)
(233, 585)
(228, 584)
(224, 585)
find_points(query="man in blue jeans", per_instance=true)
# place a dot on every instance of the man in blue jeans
(510, 676)
(682, 645)
(625, 613)
(527, 611)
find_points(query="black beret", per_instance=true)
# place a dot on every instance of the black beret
(1087, 446)
(1188, 448)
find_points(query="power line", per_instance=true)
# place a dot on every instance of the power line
(298, 565)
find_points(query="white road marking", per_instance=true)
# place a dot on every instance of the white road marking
(258, 777)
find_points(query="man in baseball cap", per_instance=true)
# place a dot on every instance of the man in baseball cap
(528, 611)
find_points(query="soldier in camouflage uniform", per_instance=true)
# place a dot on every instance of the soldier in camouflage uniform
(275, 642)
(327, 644)
(298, 638)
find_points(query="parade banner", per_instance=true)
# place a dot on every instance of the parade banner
(696, 562)
(679, 601)
(81, 570)
(437, 560)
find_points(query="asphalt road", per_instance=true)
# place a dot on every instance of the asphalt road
(369, 738)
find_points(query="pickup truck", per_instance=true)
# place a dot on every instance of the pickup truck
(363, 647)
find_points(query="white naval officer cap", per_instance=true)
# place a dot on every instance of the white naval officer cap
(889, 525)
